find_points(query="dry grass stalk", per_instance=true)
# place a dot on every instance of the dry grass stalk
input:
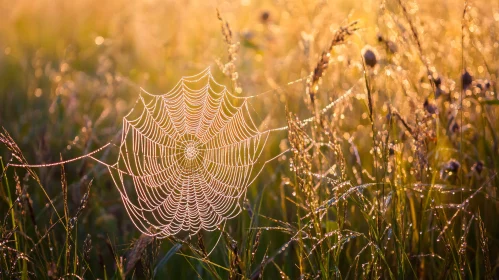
(138, 249)
(339, 38)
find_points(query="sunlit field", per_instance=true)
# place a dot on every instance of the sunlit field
(354, 140)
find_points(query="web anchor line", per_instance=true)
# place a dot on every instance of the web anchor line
(60, 162)
(191, 154)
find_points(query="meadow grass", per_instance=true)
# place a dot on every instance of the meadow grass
(397, 180)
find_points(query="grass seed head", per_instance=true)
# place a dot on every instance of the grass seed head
(466, 79)
(452, 166)
(265, 16)
(430, 107)
(478, 167)
(369, 56)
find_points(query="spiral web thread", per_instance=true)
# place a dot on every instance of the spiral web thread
(190, 154)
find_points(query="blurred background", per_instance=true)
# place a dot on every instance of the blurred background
(71, 70)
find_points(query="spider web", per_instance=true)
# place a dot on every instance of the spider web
(191, 154)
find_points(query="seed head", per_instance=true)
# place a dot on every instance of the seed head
(483, 84)
(466, 79)
(452, 165)
(449, 168)
(369, 56)
(478, 167)
(265, 16)
(380, 38)
(437, 81)
(430, 107)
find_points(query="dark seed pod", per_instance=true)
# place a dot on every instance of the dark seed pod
(478, 167)
(369, 57)
(483, 85)
(466, 79)
(380, 38)
(437, 81)
(265, 16)
(449, 168)
(430, 107)
(452, 165)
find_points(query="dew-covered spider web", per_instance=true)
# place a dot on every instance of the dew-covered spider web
(191, 154)
(187, 157)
